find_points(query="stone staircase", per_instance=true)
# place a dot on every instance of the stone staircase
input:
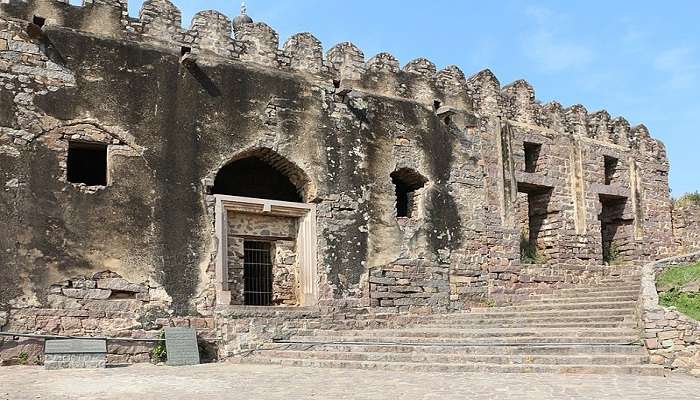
(589, 329)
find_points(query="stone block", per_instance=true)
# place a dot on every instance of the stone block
(668, 335)
(657, 359)
(3, 44)
(71, 324)
(97, 294)
(382, 281)
(651, 344)
(121, 285)
(74, 293)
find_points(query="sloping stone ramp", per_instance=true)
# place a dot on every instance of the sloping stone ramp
(592, 329)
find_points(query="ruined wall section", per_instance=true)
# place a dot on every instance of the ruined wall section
(574, 145)
(686, 227)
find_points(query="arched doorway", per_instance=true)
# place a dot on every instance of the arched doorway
(267, 234)
(262, 174)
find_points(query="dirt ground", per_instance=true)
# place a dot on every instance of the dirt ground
(233, 381)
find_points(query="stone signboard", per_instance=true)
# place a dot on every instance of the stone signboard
(75, 353)
(181, 345)
(75, 346)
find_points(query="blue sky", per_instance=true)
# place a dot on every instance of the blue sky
(638, 59)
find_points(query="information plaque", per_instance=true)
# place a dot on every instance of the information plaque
(181, 346)
(75, 346)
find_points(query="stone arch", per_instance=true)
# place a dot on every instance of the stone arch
(261, 173)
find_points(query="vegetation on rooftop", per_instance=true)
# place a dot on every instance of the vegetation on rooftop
(688, 198)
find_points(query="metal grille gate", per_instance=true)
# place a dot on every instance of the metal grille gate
(257, 273)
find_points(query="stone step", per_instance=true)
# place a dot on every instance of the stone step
(605, 359)
(498, 318)
(596, 299)
(621, 305)
(574, 295)
(485, 314)
(599, 289)
(501, 340)
(467, 367)
(630, 350)
(505, 323)
(425, 332)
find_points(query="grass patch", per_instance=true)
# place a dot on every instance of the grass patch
(687, 303)
(674, 279)
(159, 354)
(679, 276)
(611, 254)
(528, 251)
(688, 198)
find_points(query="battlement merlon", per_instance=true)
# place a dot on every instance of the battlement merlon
(212, 37)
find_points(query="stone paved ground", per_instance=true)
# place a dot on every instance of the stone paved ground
(231, 381)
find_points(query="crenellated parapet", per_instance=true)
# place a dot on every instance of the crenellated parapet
(599, 126)
(422, 67)
(485, 91)
(305, 53)
(259, 43)
(384, 62)
(162, 20)
(211, 32)
(214, 37)
(621, 131)
(576, 120)
(554, 116)
(519, 98)
(348, 60)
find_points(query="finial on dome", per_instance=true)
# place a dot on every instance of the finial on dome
(243, 18)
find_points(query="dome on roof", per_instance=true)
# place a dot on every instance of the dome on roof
(243, 18)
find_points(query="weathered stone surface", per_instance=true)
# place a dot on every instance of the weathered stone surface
(121, 285)
(333, 133)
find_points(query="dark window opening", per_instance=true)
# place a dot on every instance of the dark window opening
(610, 169)
(532, 156)
(406, 182)
(38, 21)
(254, 177)
(257, 273)
(185, 50)
(336, 83)
(615, 230)
(121, 295)
(87, 163)
(535, 215)
(436, 105)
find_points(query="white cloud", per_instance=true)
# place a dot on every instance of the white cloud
(547, 47)
(680, 66)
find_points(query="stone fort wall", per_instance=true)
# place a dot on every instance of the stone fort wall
(686, 226)
(174, 105)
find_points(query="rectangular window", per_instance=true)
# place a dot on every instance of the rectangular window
(257, 273)
(532, 155)
(87, 163)
(610, 169)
